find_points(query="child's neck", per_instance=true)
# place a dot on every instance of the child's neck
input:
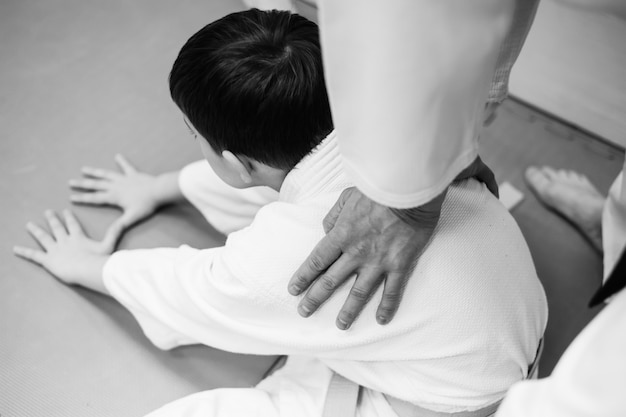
(270, 177)
(277, 182)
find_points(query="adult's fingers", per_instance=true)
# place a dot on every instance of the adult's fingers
(324, 254)
(323, 287)
(333, 214)
(72, 224)
(29, 254)
(90, 184)
(100, 173)
(40, 235)
(96, 198)
(57, 229)
(125, 166)
(365, 285)
(395, 284)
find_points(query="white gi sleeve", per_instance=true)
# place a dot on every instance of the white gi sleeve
(590, 377)
(408, 81)
(232, 297)
(588, 380)
(614, 223)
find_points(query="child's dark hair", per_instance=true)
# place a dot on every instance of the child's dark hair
(252, 83)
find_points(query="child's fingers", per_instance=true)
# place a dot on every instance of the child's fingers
(73, 227)
(125, 166)
(91, 198)
(40, 235)
(58, 230)
(100, 173)
(33, 255)
(90, 184)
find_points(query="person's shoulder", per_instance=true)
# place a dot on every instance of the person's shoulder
(470, 205)
(477, 235)
(280, 237)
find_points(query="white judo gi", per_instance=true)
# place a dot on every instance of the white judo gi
(469, 327)
(417, 73)
(408, 82)
(590, 378)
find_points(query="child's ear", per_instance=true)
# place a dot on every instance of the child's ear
(241, 165)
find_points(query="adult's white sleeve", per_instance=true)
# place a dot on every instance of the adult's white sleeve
(590, 377)
(408, 81)
(614, 223)
(588, 380)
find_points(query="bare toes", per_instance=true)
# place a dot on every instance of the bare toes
(550, 173)
(537, 179)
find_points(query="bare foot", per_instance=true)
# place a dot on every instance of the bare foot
(572, 195)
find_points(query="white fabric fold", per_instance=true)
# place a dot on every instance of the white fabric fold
(472, 317)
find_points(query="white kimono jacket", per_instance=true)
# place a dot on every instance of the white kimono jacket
(417, 73)
(590, 378)
(469, 327)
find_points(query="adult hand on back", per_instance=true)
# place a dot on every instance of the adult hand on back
(379, 244)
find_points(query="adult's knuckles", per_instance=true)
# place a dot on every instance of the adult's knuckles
(360, 294)
(341, 234)
(328, 283)
(328, 223)
(312, 301)
(387, 309)
(348, 315)
(317, 263)
(300, 280)
(391, 299)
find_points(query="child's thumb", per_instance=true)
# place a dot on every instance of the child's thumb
(113, 234)
(333, 214)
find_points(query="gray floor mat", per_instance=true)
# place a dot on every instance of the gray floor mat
(81, 81)
(569, 268)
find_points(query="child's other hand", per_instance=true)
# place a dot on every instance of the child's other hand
(133, 191)
(67, 252)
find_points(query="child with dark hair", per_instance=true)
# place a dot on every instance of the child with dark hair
(253, 84)
(251, 88)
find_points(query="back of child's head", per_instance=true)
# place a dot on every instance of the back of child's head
(252, 83)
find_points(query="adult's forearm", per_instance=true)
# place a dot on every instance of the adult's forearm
(407, 84)
(424, 216)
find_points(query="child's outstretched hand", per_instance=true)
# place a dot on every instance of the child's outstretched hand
(136, 193)
(67, 253)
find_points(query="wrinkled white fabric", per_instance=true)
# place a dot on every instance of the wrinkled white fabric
(614, 223)
(408, 82)
(470, 324)
(590, 378)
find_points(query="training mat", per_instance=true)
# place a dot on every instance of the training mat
(569, 268)
(82, 81)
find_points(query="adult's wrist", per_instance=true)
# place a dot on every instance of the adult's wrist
(426, 215)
